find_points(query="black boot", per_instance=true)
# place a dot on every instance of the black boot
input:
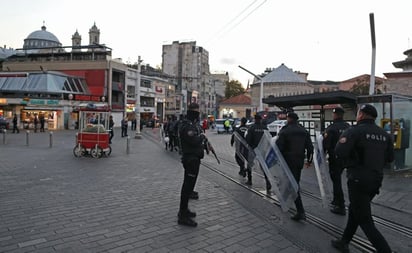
(194, 195)
(298, 217)
(340, 245)
(186, 213)
(338, 210)
(185, 219)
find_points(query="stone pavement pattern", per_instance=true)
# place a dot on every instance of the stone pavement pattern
(51, 201)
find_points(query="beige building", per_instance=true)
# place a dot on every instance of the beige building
(236, 107)
(400, 82)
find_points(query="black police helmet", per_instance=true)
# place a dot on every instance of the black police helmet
(243, 120)
(292, 115)
(369, 110)
(339, 110)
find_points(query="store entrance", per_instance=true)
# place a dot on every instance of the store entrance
(49, 117)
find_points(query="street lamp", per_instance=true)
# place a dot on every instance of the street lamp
(137, 100)
(261, 87)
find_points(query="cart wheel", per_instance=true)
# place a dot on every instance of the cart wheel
(96, 152)
(109, 151)
(78, 151)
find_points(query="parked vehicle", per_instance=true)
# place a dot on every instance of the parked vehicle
(275, 126)
(220, 126)
(4, 124)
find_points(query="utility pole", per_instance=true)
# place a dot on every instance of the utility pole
(261, 87)
(372, 79)
(137, 99)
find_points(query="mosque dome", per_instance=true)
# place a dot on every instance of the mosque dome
(40, 39)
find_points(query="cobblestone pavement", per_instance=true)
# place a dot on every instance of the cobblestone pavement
(51, 201)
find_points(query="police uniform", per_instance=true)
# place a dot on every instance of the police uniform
(254, 134)
(294, 142)
(366, 149)
(191, 140)
(241, 130)
(330, 138)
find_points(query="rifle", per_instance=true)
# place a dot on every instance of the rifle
(209, 148)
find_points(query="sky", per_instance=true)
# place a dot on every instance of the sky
(328, 39)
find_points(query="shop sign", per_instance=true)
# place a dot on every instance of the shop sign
(52, 102)
(37, 102)
(3, 101)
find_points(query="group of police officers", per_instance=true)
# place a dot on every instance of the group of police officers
(363, 150)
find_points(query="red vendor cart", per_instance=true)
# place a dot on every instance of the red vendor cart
(93, 135)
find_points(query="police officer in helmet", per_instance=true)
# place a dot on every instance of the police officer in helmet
(241, 130)
(294, 143)
(330, 138)
(366, 149)
(191, 139)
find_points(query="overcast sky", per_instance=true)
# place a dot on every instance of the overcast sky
(329, 40)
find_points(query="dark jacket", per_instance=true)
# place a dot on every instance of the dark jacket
(255, 133)
(294, 142)
(331, 136)
(191, 140)
(365, 148)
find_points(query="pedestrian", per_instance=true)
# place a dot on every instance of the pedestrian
(204, 125)
(134, 122)
(124, 127)
(42, 121)
(330, 138)
(192, 140)
(365, 149)
(35, 122)
(241, 130)
(294, 143)
(253, 136)
(15, 128)
(111, 126)
(226, 125)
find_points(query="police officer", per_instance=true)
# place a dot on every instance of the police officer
(241, 130)
(293, 141)
(192, 140)
(366, 149)
(253, 136)
(330, 138)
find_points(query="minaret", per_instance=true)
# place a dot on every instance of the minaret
(94, 35)
(76, 42)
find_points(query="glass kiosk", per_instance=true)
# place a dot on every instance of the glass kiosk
(394, 116)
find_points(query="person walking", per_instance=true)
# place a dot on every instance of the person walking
(192, 140)
(330, 138)
(226, 125)
(15, 128)
(365, 149)
(241, 130)
(124, 123)
(42, 121)
(111, 126)
(294, 143)
(253, 136)
(35, 122)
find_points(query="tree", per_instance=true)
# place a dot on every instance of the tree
(233, 88)
(362, 86)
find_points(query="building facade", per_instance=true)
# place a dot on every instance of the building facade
(105, 77)
(188, 65)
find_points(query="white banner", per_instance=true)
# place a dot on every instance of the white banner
(322, 171)
(275, 167)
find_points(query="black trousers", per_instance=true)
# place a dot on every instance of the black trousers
(360, 214)
(295, 165)
(335, 172)
(191, 166)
